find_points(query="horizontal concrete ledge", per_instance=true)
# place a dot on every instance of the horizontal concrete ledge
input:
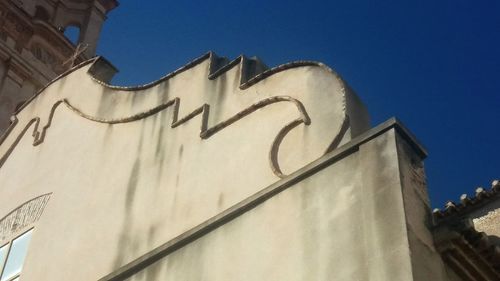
(260, 197)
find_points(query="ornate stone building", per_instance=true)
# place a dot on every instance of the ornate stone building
(34, 49)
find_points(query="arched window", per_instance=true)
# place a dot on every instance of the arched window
(41, 14)
(12, 256)
(16, 229)
(72, 33)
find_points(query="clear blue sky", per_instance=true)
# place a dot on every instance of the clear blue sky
(433, 64)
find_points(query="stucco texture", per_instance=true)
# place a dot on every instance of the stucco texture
(124, 178)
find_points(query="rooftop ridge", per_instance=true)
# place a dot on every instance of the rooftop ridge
(468, 204)
(253, 71)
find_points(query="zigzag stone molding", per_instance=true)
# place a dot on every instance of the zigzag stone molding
(178, 151)
(205, 131)
(251, 72)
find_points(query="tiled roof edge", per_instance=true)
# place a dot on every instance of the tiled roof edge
(468, 204)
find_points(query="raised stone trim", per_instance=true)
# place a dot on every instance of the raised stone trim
(252, 71)
(205, 131)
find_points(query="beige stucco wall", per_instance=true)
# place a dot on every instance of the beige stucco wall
(347, 222)
(123, 181)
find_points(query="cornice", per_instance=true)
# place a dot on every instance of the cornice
(471, 254)
(468, 204)
(253, 71)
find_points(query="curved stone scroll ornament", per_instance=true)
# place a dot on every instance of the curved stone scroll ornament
(24, 215)
(206, 132)
(204, 110)
(251, 73)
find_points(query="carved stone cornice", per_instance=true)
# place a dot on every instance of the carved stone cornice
(21, 67)
(20, 27)
(15, 24)
(471, 254)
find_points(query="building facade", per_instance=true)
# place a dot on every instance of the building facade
(221, 170)
(34, 48)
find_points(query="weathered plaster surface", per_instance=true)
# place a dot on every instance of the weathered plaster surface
(348, 221)
(124, 180)
(130, 169)
(489, 224)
